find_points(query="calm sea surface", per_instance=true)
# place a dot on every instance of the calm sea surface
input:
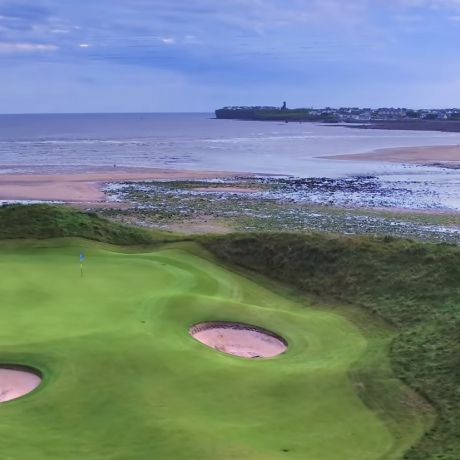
(39, 143)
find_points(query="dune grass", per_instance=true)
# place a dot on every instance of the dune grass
(123, 378)
(45, 221)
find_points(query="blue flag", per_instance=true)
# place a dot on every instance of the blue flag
(82, 257)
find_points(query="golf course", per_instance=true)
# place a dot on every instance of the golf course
(126, 375)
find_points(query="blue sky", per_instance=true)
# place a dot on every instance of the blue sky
(198, 55)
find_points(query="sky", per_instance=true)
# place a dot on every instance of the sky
(60, 56)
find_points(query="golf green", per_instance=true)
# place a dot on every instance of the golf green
(124, 379)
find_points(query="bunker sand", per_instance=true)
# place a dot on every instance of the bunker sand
(239, 339)
(15, 383)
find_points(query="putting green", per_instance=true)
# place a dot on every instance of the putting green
(124, 379)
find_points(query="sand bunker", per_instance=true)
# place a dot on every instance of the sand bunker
(239, 339)
(17, 382)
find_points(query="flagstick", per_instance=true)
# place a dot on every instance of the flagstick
(82, 258)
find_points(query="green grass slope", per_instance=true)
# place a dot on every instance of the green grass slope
(45, 221)
(415, 286)
(125, 380)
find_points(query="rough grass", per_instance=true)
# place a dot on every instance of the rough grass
(45, 221)
(415, 286)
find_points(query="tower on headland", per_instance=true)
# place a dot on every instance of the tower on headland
(284, 106)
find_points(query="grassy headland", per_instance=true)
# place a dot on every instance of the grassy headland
(256, 114)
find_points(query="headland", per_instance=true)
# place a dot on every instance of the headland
(443, 120)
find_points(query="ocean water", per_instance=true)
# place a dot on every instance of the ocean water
(94, 142)
(65, 143)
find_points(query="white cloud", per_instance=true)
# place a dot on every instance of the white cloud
(13, 47)
(168, 40)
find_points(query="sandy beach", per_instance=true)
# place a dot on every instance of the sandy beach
(87, 187)
(436, 155)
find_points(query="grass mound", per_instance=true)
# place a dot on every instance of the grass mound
(415, 286)
(43, 221)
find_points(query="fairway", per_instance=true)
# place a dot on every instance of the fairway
(124, 379)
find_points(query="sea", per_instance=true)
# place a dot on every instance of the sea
(68, 143)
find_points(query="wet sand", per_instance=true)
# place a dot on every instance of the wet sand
(437, 156)
(87, 187)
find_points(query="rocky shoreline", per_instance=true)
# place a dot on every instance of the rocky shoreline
(353, 192)
(285, 204)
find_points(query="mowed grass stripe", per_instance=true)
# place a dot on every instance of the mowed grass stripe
(125, 380)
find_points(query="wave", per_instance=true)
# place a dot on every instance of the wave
(235, 140)
(77, 142)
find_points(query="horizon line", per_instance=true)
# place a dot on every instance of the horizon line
(105, 113)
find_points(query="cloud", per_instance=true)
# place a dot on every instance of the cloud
(14, 47)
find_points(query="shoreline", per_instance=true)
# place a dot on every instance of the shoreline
(444, 126)
(363, 205)
(192, 202)
(445, 156)
(87, 187)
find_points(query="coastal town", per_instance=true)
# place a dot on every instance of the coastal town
(386, 114)
(342, 114)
